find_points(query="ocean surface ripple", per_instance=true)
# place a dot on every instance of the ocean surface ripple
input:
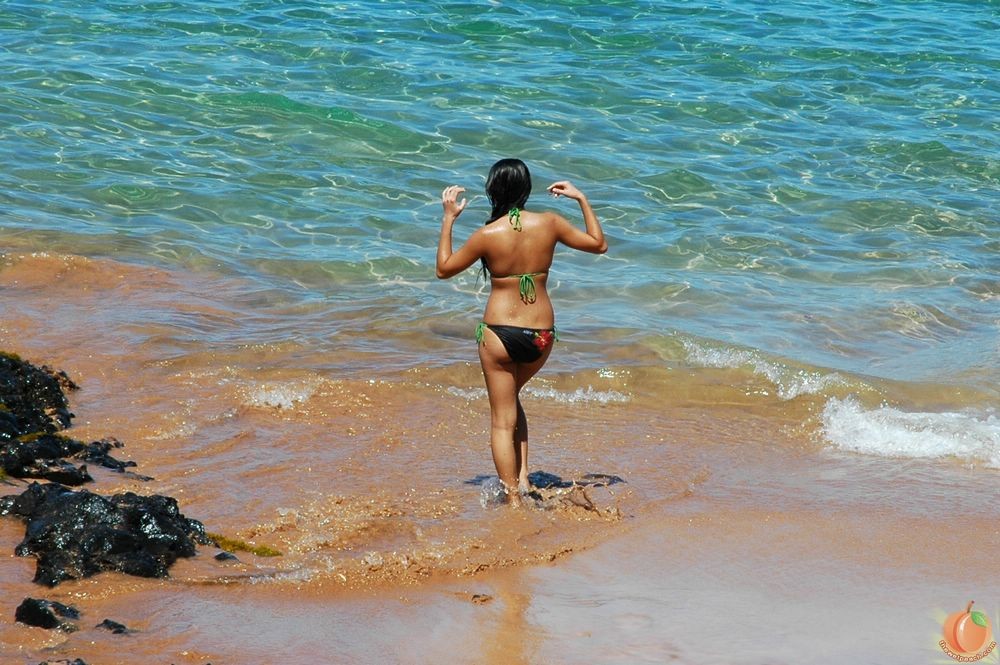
(813, 181)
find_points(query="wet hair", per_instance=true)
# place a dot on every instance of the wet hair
(508, 186)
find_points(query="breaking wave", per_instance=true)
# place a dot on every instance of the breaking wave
(890, 432)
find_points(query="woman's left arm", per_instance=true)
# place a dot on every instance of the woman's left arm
(450, 264)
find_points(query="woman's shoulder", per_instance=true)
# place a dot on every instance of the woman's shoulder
(544, 216)
(532, 217)
(549, 220)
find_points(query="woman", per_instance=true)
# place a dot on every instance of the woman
(517, 331)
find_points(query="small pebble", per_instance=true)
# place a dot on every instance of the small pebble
(114, 627)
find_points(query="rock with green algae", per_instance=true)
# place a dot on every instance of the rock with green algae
(234, 545)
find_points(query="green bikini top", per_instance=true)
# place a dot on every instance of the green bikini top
(526, 281)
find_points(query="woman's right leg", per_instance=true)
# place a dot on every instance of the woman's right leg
(521, 448)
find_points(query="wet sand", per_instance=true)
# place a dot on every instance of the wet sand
(735, 537)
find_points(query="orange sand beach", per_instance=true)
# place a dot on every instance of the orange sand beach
(735, 536)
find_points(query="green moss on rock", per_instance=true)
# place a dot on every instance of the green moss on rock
(234, 545)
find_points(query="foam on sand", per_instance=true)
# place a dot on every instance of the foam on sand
(280, 395)
(580, 395)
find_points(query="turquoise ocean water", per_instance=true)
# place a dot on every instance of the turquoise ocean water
(804, 192)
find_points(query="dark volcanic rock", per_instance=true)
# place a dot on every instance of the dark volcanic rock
(44, 455)
(31, 399)
(114, 627)
(41, 456)
(97, 452)
(75, 661)
(78, 534)
(32, 408)
(46, 614)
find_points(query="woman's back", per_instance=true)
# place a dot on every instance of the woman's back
(513, 251)
(518, 260)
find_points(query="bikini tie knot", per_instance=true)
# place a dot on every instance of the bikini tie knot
(515, 218)
(526, 286)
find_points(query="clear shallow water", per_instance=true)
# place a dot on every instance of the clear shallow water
(802, 193)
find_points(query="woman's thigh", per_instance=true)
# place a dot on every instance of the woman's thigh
(505, 378)
(501, 379)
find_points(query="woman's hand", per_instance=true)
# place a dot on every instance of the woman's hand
(565, 188)
(449, 200)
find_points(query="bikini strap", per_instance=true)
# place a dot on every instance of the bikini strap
(481, 331)
(515, 218)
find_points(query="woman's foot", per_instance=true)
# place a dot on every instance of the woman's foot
(523, 485)
(513, 496)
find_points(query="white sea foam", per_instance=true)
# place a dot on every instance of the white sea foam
(279, 395)
(588, 394)
(181, 430)
(469, 394)
(890, 432)
(492, 494)
(789, 383)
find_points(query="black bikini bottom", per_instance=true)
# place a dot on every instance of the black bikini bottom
(523, 345)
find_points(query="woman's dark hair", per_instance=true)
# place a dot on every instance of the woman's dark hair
(508, 186)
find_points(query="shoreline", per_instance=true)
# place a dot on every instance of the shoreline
(730, 501)
(690, 591)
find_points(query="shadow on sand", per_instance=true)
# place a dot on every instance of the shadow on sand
(549, 491)
(546, 480)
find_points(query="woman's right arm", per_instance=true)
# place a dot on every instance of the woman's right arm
(451, 263)
(590, 241)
